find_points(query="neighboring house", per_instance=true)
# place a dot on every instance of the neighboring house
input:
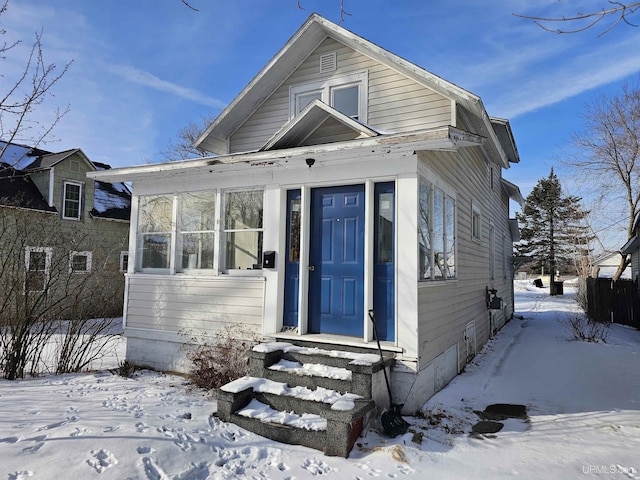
(632, 247)
(345, 179)
(607, 265)
(60, 224)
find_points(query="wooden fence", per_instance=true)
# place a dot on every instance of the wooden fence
(613, 301)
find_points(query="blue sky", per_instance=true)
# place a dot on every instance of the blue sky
(143, 69)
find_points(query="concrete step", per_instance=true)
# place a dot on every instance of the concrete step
(359, 372)
(316, 418)
(318, 398)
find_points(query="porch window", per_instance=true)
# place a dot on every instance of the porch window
(243, 229)
(347, 94)
(196, 224)
(72, 197)
(436, 233)
(155, 214)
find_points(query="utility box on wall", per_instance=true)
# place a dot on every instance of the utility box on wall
(269, 259)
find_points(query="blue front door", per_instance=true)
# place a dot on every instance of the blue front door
(336, 261)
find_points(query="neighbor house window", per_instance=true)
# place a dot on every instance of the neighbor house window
(243, 229)
(436, 232)
(37, 268)
(124, 261)
(72, 201)
(80, 262)
(346, 94)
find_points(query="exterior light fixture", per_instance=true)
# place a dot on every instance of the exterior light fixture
(310, 161)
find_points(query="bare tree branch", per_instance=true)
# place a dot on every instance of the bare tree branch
(619, 12)
(189, 5)
(28, 90)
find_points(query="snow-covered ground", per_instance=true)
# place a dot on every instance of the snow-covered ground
(583, 401)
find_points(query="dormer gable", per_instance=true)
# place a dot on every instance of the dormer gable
(318, 123)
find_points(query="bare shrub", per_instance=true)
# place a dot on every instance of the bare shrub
(222, 358)
(581, 327)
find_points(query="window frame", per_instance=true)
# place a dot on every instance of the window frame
(66, 200)
(476, 223)
(74, 254)
(219, 233)
(448, 229)
(326, 89)
(181, 232)
(140, 236)
(48, 251)
(124, 254)
(224, 234)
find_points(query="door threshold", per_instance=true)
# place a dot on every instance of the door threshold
(322, 339)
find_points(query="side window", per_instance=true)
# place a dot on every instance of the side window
(37, 268)
(476, 223)
(79, 262)
(243, 229)
(72, 201)
(436, 233)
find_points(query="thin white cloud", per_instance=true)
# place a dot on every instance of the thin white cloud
(151, 81)
(568, 80)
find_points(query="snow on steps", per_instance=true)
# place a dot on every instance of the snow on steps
(307, 396)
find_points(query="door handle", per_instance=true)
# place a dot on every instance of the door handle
(312, 268)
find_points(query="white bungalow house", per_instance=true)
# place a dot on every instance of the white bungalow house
(342, 179)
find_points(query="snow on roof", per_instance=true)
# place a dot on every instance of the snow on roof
(19, 156)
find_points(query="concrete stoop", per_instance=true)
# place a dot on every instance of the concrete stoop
(307, 396)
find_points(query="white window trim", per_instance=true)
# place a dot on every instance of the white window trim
(476, 213)
(219, 234)
(47, 263)
(122, 255)
(360, 79)
(83, 254)
(426, 175)
(64, 199)
(222, 261)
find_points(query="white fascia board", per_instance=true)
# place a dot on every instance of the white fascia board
(443, 138)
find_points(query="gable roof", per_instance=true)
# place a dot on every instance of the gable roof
(313, 32)
(17, 155)
(296, 131)
(18, 190)
(49, 160)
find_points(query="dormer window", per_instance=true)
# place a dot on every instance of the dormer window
(347, 94)
(72, 201)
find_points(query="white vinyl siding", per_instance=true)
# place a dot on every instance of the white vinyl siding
(445, 308)
(395, 102)
(193, 305)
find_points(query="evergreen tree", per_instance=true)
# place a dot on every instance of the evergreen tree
(553, 230)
